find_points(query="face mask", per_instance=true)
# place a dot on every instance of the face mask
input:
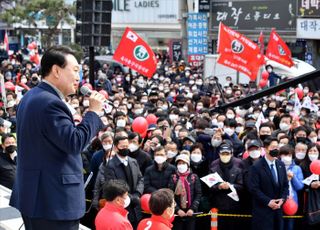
(106, 147)
(133, 147)
(287, 160)
(127, 202)
(220, 125)
(274, 152)
(133, 90)
(138, 111)
(280, 145)
(263, 137)
(123, 152)
(199, 108)
(229, 131)
(191, 82)
(313, 157)
(143, 101)
(173, 117)
(121, 123)
(255, 154)
(215, 142)
(10, 149)
(313, 139)
(187, 74)
(171, 154)
(196, 157)
(75, 106)
(159, 159)
(187, 147)
(269, 70)
(230, 116)
(24, 81)
(301, 139)
(182, 168)
(229, 91)
(164, 107)
(225, 159)
(300, 155)
(85, 103)
(305, 91)
(239, 129)
(129, 106)
(284, 126)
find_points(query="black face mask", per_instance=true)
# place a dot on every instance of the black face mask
(263, 137)
(274, 152)
(10, 149)
(123, 152)
(301, 139)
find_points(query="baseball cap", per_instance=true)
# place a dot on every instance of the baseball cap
(254, 143)
(225, 148)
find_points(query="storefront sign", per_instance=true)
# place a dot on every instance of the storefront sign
(308, 28)
(308, 8)
(197, 27)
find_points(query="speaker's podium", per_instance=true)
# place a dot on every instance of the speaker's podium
(10, 218)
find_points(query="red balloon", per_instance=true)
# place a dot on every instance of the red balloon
(245, 155)
(104, 93)
(140, 125)
(144, 200)
(265, 75)
(151, 119)
(299, 92)
(143, 135)
(263, 83)
(32, 45)
(10, 86)
(290, 207)
(315, 167)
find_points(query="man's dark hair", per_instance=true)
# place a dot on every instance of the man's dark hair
(158, 149)
(55, 55)
(133, 135)
(286, 149)
(286, 115)
(5, 136)
(114, 188)
(117, 139)
(268, 141)
(160, 200)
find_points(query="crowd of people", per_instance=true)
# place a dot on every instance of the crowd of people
(261, 150)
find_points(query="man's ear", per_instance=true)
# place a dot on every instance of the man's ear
(55, 71)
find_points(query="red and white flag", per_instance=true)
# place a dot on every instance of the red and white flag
(238, 52)
(278, 50)
(6, 41)
(135, 53)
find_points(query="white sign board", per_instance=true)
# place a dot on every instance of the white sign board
(145, 11)
(308, 28)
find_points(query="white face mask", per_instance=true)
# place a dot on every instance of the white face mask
(230, 116)
(196, 157)
(106, 147)
(284, 126)
(121, 123)
(159, 159)
(229, 131)
(280, 145)
(171, 154)
(24, 80)
(220, 125)
(239, 129)
(300, 155)
(85, 103)
(182, 168)
(138, 111)
(225, 159)
(133, 147)
(313, 157)
(127, 202)
(255, 154)
(215, 142)
(313, 139)
(287, 160)
(173, 117)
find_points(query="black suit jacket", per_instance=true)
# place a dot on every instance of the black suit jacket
(263, 189)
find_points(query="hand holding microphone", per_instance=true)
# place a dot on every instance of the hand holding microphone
(96, 100)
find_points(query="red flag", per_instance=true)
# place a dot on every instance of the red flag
(261, 42)
(238, 52)
(6, 41)
(278, 50)
(135, 53)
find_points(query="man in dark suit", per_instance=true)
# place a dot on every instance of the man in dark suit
(268, 185)
(123, 167)
(49, 190)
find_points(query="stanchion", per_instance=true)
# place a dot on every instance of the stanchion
(214, 219)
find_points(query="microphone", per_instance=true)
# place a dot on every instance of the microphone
(86, 91)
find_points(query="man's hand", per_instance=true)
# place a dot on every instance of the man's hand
(181, 213)
(223, 185)
(96, 102)
(290, 175)
(273, 204)
(189, 212)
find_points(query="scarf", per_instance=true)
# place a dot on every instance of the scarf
(183, 190)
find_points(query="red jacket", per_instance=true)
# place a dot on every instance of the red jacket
(155, 223)
(112, 217)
